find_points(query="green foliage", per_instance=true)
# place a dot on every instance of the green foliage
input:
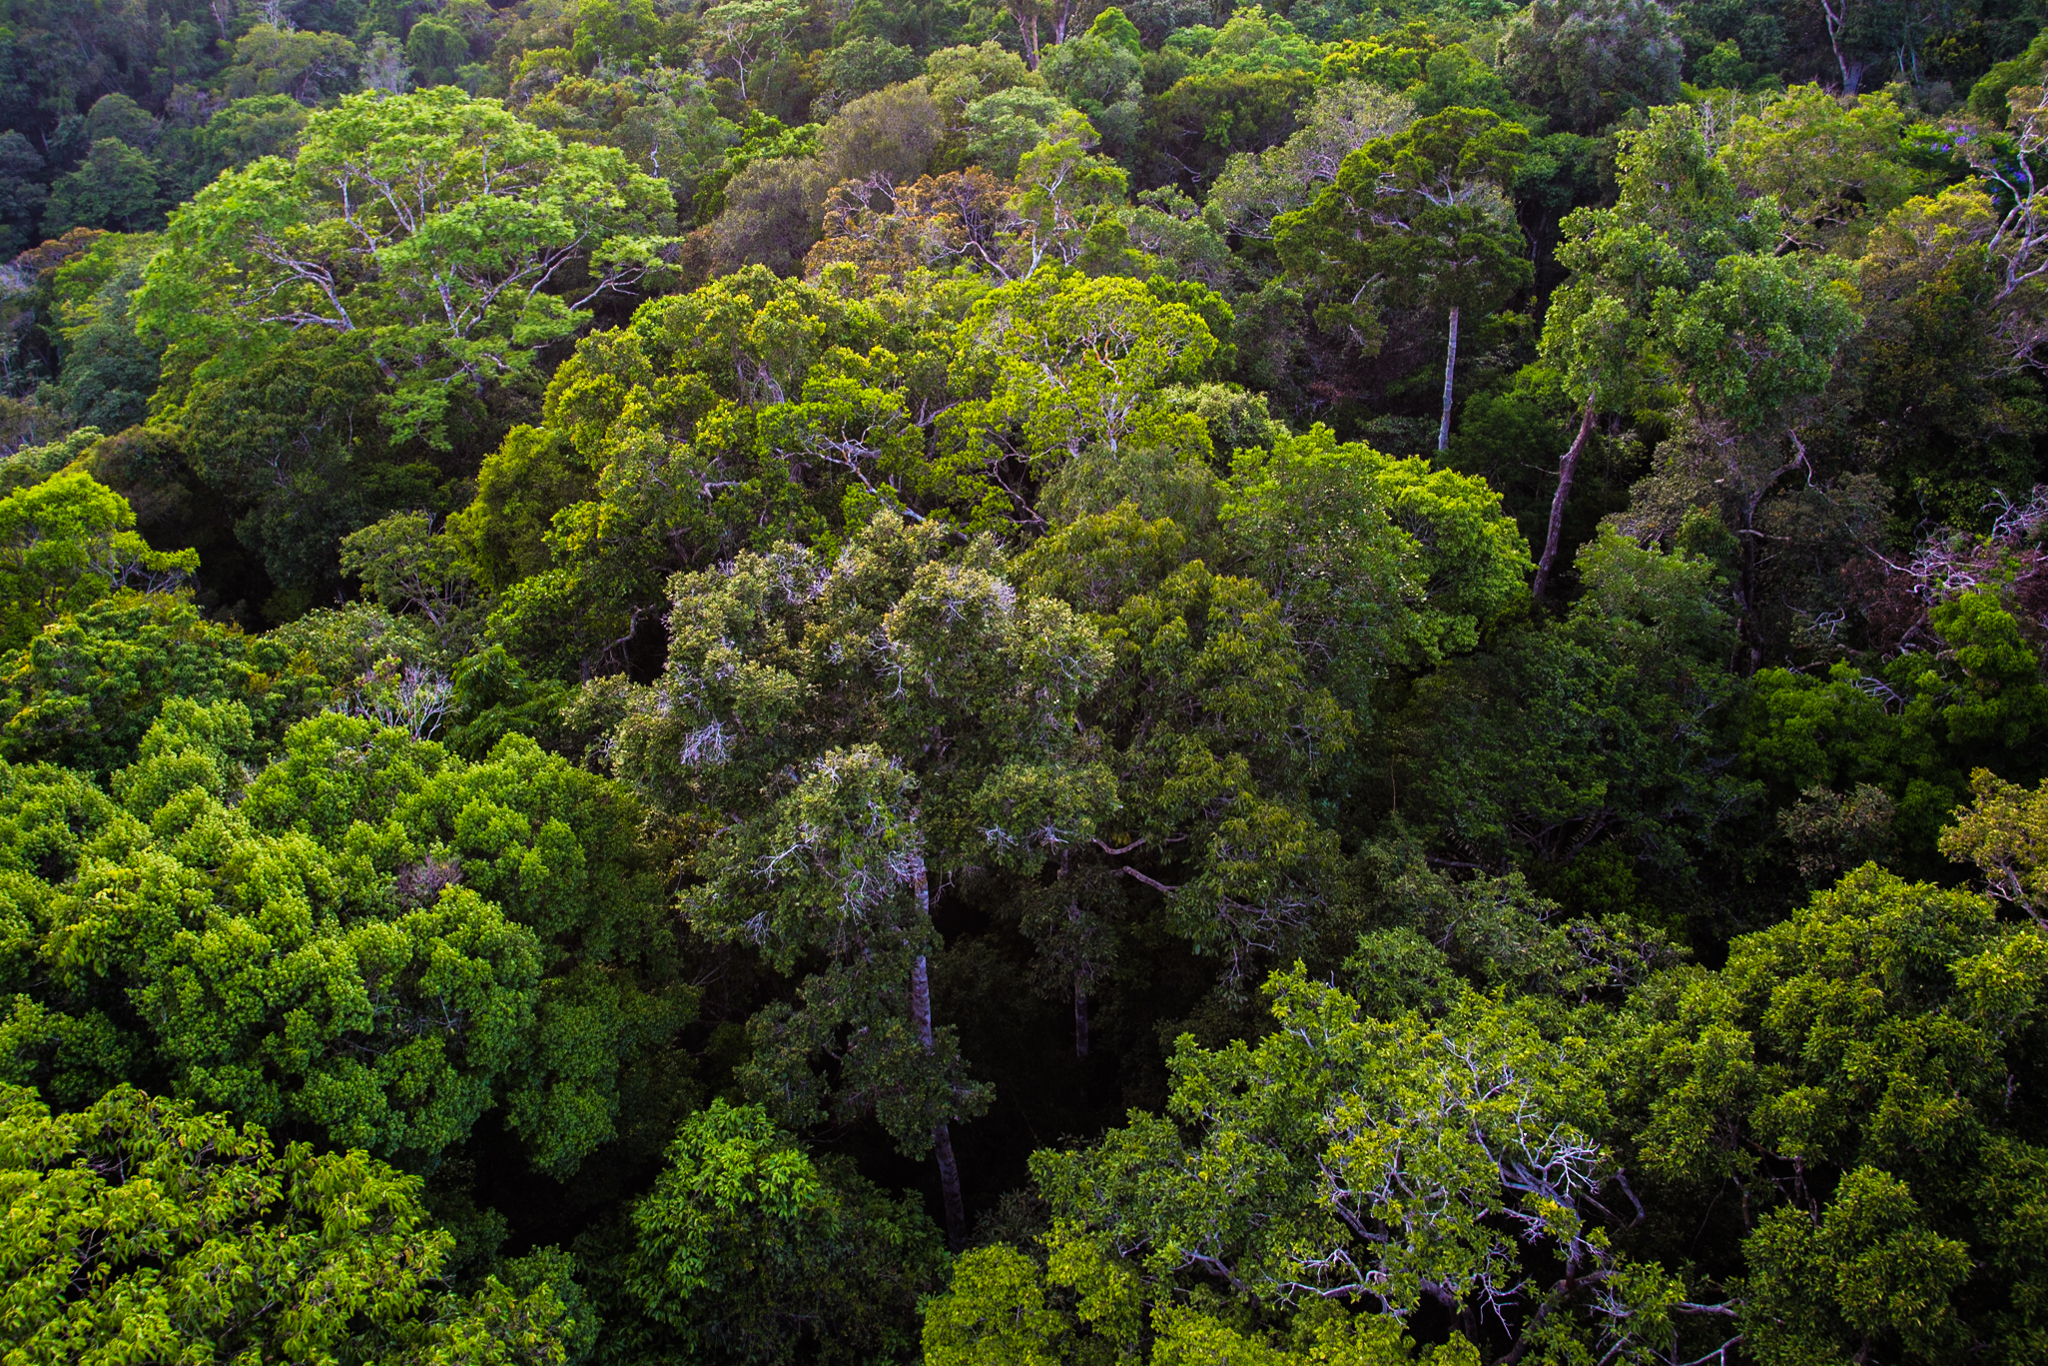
(451, 290)
(1860, 1054)
(746, 412)
(863, 65)
(65, 543)
(1917, 727)
(136, 1224)
(108, 373)
(749, 1250)
(1987, 96)
(1834, 171)
(2003, 833)
(115, 188)
(1381, 1161)
(1215, 731)
(1383, 564)
(972, 555)
(85, 689)
(1606, 725)
(367, 936)
(838, 676)
(1413, 220)
(1586, 64)
(289, 437)
(1067, 363)
(1678, 217)
(285, 61)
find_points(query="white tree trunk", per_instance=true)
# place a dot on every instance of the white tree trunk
(1443, 431)
(1565, 469)
(921, 1018)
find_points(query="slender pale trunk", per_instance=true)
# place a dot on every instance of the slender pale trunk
(1565, 469)
(949, 1182)
(921, 1015)
(1443, 431)
(1080, 1016)
(1837, 15)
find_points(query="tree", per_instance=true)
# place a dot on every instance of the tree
(1099, 75)
(249, 129)
(1257, 187)
(404, 566)
(290, 440)
(1749, 344)
(1058, 15)
(1418, 219)
(1917, 725)
(301, 63)
(958, 76)
(1613, 725)
(22, 192)
(903, 712)
(137, 1223)
(888, 135)
(1853, 1076)
(66, 542)
(1381, 565)
(1069, 366)
(115, 188)
(108, 372)
(1586, 62)
(1833, 171)
(435, 49)
(2005, 833)
(750, 411)
(748, 1249)
(995, 1310)
(385, 68)
(958, 216)
(1679, 283)
(431, 232)
(748, 33)
(117, 116)
(773, 215)
(1942, 363)
(85, 690)
(1003, 126)
(1216, 734)
(502, 948)
(861, 66)
(1381, 1163)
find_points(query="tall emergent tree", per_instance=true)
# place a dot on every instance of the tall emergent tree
(1680, 284)
(1417, 220)
(858, 727)
(445, 239)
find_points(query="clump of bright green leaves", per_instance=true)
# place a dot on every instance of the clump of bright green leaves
(364, 937)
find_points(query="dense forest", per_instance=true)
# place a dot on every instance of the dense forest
(864, 681)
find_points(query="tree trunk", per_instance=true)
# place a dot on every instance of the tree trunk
(1750, 653)
(1027, 31)
(1080, 1016)
(1443, 431)
(921, 1018)
(949, 1185)
(1836, 13)
(1565, 469)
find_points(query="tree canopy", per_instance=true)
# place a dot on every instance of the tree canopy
(1290, 684)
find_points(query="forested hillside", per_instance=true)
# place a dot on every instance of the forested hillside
(866, 681)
